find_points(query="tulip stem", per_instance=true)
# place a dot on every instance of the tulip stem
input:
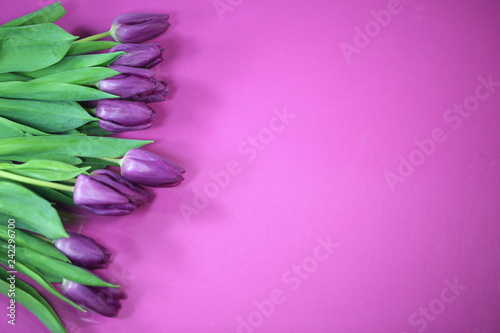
(38, 182)
(94, 37)
(113, 161)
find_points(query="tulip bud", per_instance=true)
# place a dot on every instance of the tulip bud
(83, 251)
(120, 116)
(93, 298)
(116, 293)
(138, 55)
(145, 168)
(156, 95)
(132, 81)
(138, 27)
(105, 192)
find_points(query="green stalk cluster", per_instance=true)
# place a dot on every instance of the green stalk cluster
(47, 139)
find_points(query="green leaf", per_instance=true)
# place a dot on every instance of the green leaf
(13, 77)
(70, 132)
(8, 128)
(27, 288)
(54, 267)
(48, 14)
(93, 128)
(42, 281)
(65, 148)
(51, 117)
(79, 76)
(53, 195)
(30, 211)
(32, 47)
(88, 47)
(75, 62)
(50, 277)
(32, 291)
(27, 239)
(44, 170)
(7, 131)
(28, 297)
(51, 91)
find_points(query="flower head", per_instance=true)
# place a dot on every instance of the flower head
(105, 192)
(83, 251)
(119, 116)
(148, 169)
(132, 81)
(138, 27)
(98, 299)
(156, 95)
(138, 55)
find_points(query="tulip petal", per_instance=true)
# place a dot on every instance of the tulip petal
(126, 85)
(89, 298)
(145, 168)
(138, 27)
(91, 192)
(83, 251)
(115, 210)
(133, 192)
(139, 55)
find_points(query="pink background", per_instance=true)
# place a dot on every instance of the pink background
(422, 255)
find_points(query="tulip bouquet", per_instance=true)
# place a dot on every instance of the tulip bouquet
(57, 112)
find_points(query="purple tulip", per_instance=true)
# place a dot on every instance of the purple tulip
(138, 27)
(116, 293)
(83, 251)
(97, 299)
(145, 168)
(132, 81)
(120, 116)
(138, 55)
(156, 95)
(105, 192)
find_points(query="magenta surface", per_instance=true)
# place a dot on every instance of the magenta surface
(343, 170)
